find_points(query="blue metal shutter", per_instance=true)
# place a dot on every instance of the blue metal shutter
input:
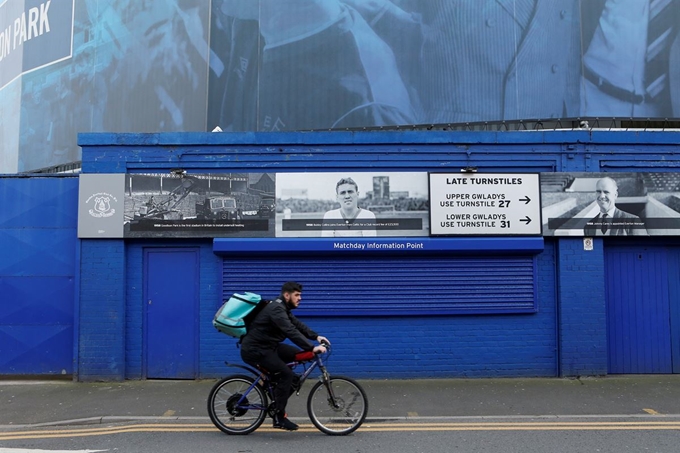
(392, 286)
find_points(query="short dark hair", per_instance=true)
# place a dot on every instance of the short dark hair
(291, 287)
(346, 181)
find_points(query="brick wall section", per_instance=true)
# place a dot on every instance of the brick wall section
(426, 347)
(214, 347)
(102, 311)
(134, 313)
(582, 310)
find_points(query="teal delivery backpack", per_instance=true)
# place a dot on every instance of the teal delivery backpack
(234, 315)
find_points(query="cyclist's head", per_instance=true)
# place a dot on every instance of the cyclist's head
(291, 294)
(290, 287)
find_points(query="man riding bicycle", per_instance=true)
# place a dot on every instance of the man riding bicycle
(262, 346)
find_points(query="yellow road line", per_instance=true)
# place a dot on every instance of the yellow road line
(536, 424)
(387, 427)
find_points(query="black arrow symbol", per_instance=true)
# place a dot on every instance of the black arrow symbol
(526, 219)
(526, 199)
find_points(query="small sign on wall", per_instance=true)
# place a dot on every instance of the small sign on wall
(588, 244)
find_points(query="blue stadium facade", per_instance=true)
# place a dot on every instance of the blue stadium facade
(105, 290)
(125, 91)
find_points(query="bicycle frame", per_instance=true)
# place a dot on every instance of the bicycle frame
(337, 405)
(266, 382)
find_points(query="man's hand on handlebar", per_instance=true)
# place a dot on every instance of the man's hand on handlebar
(321, 348)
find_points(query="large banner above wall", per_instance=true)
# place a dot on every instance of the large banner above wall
(376, 204)
(610, 204)
(284, 65)
(352, 204)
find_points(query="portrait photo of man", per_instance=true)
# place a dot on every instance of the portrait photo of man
(349, 220)
(612, 221)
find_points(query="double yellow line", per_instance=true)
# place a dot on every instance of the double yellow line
(104, 431)
(367, 427)
(524, 426)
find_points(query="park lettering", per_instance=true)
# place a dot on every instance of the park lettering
(25, 27)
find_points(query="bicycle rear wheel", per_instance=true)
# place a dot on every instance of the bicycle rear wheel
(231, 411)
(348, 412)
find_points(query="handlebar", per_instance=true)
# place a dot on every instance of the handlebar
(326, 345)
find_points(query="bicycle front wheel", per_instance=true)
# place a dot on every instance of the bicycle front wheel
(234, 409)
(337, 410)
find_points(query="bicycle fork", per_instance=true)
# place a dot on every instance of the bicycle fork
(326, 379)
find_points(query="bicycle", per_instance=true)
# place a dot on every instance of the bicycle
(336, 405)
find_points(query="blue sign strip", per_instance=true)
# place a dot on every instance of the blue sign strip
(379, 245)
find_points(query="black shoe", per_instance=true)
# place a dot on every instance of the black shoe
(282, 422)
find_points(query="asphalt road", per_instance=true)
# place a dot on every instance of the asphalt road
(27, 403)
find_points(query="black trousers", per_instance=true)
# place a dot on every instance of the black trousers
(274, 362)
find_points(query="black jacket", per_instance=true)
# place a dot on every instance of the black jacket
(273, 325)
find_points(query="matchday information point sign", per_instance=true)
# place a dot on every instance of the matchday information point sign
(498, 204)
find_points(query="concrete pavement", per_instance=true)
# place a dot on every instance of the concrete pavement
(43, 403)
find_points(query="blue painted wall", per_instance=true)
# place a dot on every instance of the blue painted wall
(69, 306)
(566, 337)
(38, 245)
(101, 351)
(582, 308)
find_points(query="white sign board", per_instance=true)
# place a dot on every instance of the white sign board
(499, 204)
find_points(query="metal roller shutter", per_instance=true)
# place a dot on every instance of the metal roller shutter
(386, 286)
